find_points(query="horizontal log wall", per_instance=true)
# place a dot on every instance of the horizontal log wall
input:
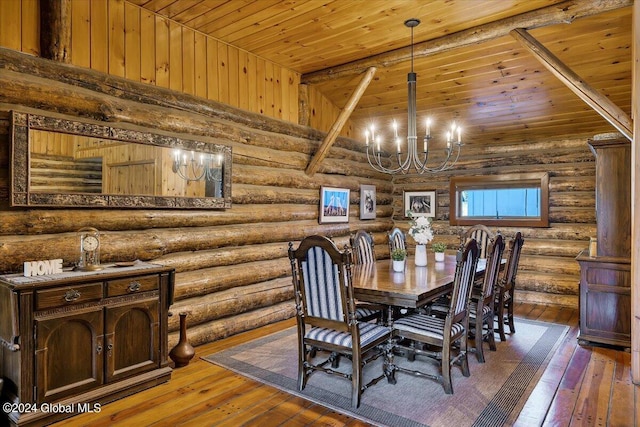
(233, 273)
(122, 39)
(548, 270)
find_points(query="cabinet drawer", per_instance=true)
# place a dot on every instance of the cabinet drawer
(68, 295)
(132, 285)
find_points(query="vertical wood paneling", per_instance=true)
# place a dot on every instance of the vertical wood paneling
(162, 52)
(188, 61)
(99, 36)
(268, 88)
(200, 64)
(260, 85)
(233, 79)
(223, 73)
(132, 42)
(10, 20)
(147, 47)
(81, 33)
(243, 80)
(213, 80)
(120, 38)
(29, 26)
(252, 86)
(175, 56)
(116, 38)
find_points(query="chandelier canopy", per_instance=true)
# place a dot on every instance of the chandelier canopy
(409, 156)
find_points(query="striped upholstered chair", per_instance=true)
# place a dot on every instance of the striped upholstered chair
(506, 287)
(481, 310)
(326, 319)
(397, 240)
(439, 334)
(482, 235)
(362, 245)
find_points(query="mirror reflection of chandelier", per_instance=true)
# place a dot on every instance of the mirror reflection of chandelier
(197, 167)
(411, 156)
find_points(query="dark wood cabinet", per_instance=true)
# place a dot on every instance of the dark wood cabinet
(83, 337)
(605, 279)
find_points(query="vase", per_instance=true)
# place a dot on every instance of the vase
(421, 255)
(439, 256)
(398, 266)
(183, 352)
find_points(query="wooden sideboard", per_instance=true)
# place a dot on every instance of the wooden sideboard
(605, 299)
(605, 279)
(75, 340)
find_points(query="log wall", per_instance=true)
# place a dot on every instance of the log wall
(233, 273)
(548, 270)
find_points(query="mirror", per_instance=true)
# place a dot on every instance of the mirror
(60, 162)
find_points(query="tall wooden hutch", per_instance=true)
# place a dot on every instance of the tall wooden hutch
(605, 279)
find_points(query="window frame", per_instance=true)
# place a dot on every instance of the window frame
(462, 183)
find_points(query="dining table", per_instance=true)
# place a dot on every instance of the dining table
(414, 287)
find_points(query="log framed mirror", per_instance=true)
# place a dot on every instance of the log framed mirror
(68, 163)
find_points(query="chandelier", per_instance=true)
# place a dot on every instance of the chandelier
(403, 161)
(197, 168)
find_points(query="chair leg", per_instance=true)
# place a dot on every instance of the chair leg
(500, 316)
(491, 332)
(302, 376)
(356, 380)
(512, 326)
(464, 360)
(478, 340)
(446, 368)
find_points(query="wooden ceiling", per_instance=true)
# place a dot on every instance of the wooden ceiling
(495, 89)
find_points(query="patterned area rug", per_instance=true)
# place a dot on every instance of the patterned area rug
(492, 396)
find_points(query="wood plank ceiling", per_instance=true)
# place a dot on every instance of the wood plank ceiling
(496, 90)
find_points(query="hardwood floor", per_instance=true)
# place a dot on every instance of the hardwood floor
(582, 386)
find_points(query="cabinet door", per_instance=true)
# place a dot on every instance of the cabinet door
(132, 339)
(69, 354)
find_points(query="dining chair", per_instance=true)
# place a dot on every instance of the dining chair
(362, 245)
(397, 239)
(441, 335)
(506, 287)
(481, 309)
(326, 319)
(483, 236)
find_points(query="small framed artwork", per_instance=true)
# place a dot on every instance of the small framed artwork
(420, 203)
(367, 202)
(334, 204)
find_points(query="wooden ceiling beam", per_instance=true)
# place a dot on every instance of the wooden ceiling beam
(560, 13)
(340, 121)
(600, 103)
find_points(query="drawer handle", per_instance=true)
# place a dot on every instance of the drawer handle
(71, 295)
(99, 349)
(134, 286)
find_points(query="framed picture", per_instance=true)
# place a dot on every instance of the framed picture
(420, 203)
(367, 202)
(334, 204)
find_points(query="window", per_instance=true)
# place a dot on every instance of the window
(507, 200)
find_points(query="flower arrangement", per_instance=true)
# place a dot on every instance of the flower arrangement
(439, 247)
(420, 229)
(398, 254)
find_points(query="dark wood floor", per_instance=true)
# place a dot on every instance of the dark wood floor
(582, 386)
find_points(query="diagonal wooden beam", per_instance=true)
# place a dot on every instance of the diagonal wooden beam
(600, 103)
(340, 121)
(561, 13)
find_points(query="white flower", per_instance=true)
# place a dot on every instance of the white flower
(420, 229)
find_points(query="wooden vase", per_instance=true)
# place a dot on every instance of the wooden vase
(183, 352)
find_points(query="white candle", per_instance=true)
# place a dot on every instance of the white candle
(176, 155)
(395, 129)
(428, 131)
(378, 144)
(459, 132)
(366, 135)
(398, 142)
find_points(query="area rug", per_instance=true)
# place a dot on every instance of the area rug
(492, 396)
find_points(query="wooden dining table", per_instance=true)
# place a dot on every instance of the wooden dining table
(412, 288)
